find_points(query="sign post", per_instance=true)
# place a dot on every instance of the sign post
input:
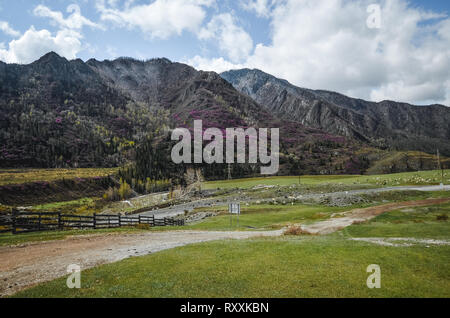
(234, 208)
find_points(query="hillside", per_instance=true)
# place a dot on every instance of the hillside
(387, 124)
(60, 113)
(56, 113)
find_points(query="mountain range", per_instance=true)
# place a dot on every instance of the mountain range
(60, 113)
(386, 124)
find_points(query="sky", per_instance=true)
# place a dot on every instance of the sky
(370, 49)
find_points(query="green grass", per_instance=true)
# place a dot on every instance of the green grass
(330, 266)
(83, 206)
(418, 222)
(61, 205)
(280, 181)
(19, 176)
(400, 159)
(397, 179)
(266, 216)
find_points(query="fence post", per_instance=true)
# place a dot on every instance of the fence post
(60, 221)
(120, 221)
(153, 220)
(39, 221)
(94, 222)
(165, 221)
(13, 229)
(139, 218)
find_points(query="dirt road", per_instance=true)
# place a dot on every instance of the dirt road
(29, 264)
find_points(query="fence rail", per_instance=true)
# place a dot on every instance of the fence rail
(47, 221)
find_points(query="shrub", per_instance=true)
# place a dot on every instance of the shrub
(295, 230)
(442, 217)
(110, 194)
(143, 226)
(122, 193)
(124, 190)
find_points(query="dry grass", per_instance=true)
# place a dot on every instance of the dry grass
(143, 226)
(357, 222)
(295, 230)
(19, 176)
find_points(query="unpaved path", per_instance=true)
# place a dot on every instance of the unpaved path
(25, 265)
(361, 215)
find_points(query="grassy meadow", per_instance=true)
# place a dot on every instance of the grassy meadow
(266, 217)
(432, 177)
(428, 222)
(331, 265)
(289, 266)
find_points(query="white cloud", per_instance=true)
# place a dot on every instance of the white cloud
(159, 19)
(215, 64)
(74, 21)
(35, 43)
(232, 39)
(112, 52)
(6, 28)
(326, 44)
(262, 8)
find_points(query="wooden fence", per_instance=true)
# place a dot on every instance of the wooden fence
(47, 221)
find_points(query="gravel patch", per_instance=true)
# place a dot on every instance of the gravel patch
(400, 241)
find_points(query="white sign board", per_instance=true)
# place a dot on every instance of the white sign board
(234, 208)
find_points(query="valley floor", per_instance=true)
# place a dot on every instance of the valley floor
(29, 264)
(310, 240)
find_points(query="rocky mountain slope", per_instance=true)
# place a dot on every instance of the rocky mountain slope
(56, 112)
(60, 113)
(386, 124)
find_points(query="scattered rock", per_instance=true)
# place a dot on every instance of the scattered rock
(199, 216)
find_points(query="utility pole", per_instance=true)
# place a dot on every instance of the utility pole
(440, 166)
